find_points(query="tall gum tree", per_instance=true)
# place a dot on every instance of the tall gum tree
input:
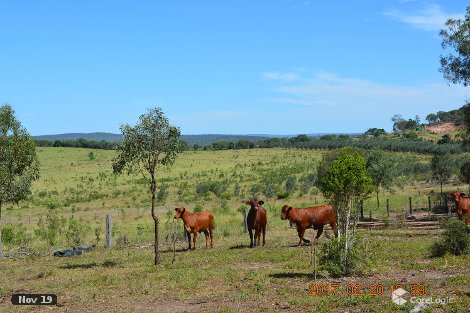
(151, 143)
(19, 165)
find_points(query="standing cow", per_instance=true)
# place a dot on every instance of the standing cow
(315, 216)
(463, 206)
(196, 223)
(256, 220)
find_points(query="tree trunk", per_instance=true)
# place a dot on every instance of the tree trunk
(155, 221)
(346, 239)
(1, 242)
(378, 201)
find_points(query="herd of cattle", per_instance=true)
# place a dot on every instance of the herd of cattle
(302, 218)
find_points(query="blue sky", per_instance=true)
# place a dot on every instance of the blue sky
(227, 67)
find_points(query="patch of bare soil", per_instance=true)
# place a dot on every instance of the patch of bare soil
(442, 128)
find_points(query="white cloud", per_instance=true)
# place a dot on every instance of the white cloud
(280, 76)
(333, 92)
(430, 18)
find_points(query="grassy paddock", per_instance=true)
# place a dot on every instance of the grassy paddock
(228, 278)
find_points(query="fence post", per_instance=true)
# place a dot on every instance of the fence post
(244, 220)
(429, 203)
(109, 231)
(362, 210)
(388, 207)
(411, 207)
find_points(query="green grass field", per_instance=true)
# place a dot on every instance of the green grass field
(228, 278)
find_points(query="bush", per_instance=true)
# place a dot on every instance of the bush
(454, 240)
(332, 257)
(198, 208)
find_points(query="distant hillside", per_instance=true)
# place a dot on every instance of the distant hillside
(190, 139)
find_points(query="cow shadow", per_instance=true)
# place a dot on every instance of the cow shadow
(306, 276)
(236, 247)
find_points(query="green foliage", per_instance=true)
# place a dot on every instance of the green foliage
(375, 132)
(146, 146)
(456, 35)
(455, 239)
(465, 172)
(382, 169)
(8, 234)
(332, 257)
(19, 165)
(49, 229)
(342, 174)
(162, 194)
(76, 231)
(400, 124)
(291, 184)
(91, 156)
(198, 208)
(442, 168)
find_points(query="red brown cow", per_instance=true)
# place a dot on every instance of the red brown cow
(196, 223)
(463, 206)
(315, 216)
(256, 220)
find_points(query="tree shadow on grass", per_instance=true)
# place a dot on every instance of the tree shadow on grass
(309, 276)
(78, 266)
(107, 263)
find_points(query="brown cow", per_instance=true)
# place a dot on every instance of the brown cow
(256, 220)
(196, 222)
(315, 216)
(463, 206)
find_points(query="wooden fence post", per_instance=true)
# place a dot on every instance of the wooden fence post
(362, 210)
(388, 207)
(429, 203)
(109, 231)
(411, 207)
(244, 220)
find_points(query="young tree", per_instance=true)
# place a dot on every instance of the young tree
(442, 168)
(382, 170)
(456, 36)
(19, 165)
(343, 177)
(146, 146)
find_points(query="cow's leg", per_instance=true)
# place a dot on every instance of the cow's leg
(188, 234)
(194, 239)
(335, 230)
(206, 232)
(250, 231)
(319, 232)
(257, 236)
(210, 233)
(301, 234)
(264, 236)
(300, 237)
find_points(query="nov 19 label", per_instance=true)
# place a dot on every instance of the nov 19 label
(33, 299)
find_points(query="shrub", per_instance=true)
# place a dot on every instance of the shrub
(198, 208)
(332, 256)
(454, 240)
(8, 234)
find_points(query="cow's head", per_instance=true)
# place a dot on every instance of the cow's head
(179, 212)
(285, 212)
(254, 203)
(457, 195)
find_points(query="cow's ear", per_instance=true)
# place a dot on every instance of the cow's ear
(176, 209)
(183, 209)
(260, 202)
(290, 208)
(462, 194)
(248, 202)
